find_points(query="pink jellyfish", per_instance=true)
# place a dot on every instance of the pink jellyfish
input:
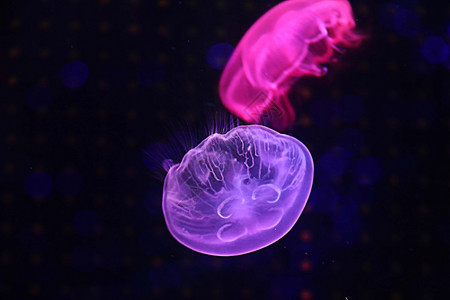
(293, 39)
(238, 192)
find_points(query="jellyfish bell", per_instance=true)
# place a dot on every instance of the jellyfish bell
(237, 192)
(295, 38)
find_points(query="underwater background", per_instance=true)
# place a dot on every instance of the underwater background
(94, 95)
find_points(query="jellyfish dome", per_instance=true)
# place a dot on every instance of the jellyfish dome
(238, 192)
(293, 39)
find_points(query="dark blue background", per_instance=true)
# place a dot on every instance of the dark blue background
(88, 87)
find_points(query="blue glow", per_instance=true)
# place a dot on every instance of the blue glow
(348, 233)
(323, 199)
(147, 245)
(167, 277)
(407, 3)
(323, 112)
(348, 210)
(424, 110)
(362, 193)
(31, 241)
(38, 184)
(351, 139)
(330, 166)
(387, 13)
(151, 74)
(367, 170)
(39, 96)
(218, 55)
(74, 74)
(84, 259)
(87, 224)
(406, 23)
(350, 108)
(112, 257)
(286, 286)
(435, 50)
(151, 201)
(442, 230)
(69, 182)
(347, 220)
(139, 284)
(404, 167)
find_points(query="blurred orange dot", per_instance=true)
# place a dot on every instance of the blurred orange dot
(38, 229)
(8, 198)
(7, 229)
(34, 289)
(305, 121)
(11, 140)
(103, 27)
(10, 168)
(305, 295)
(36, 259)
(305, 236)
(163, 30)
(13, 80)
(44, 53)
(163, 3)
(133, 29)
(131, 143)
(131, 114)
(15, 23)
(14, 52)
(44, 25)
(305, 265)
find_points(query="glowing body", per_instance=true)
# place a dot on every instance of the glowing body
(291, 40)
(238, 192)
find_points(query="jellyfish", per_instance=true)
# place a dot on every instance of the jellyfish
(237, 192)
(295, 38)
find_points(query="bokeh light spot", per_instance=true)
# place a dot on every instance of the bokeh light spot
(367, 170)
(150, 74)
(74, 74)
(323, 199)
(387, 13)
(39, 96)
(147, 245)
(151, 201)
(362, 193)
(112, 257)
(69, 182)
(323, 112)
(348, 210)
(330, 166)
(424, 110)
(350, 108)
(84, 259)
(406, 22)
(87, 223)
(218, 55)
(435, 50)
(351, 140)
(168, 277)
(38, 184)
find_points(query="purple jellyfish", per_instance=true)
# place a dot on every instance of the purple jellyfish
(238, 192)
